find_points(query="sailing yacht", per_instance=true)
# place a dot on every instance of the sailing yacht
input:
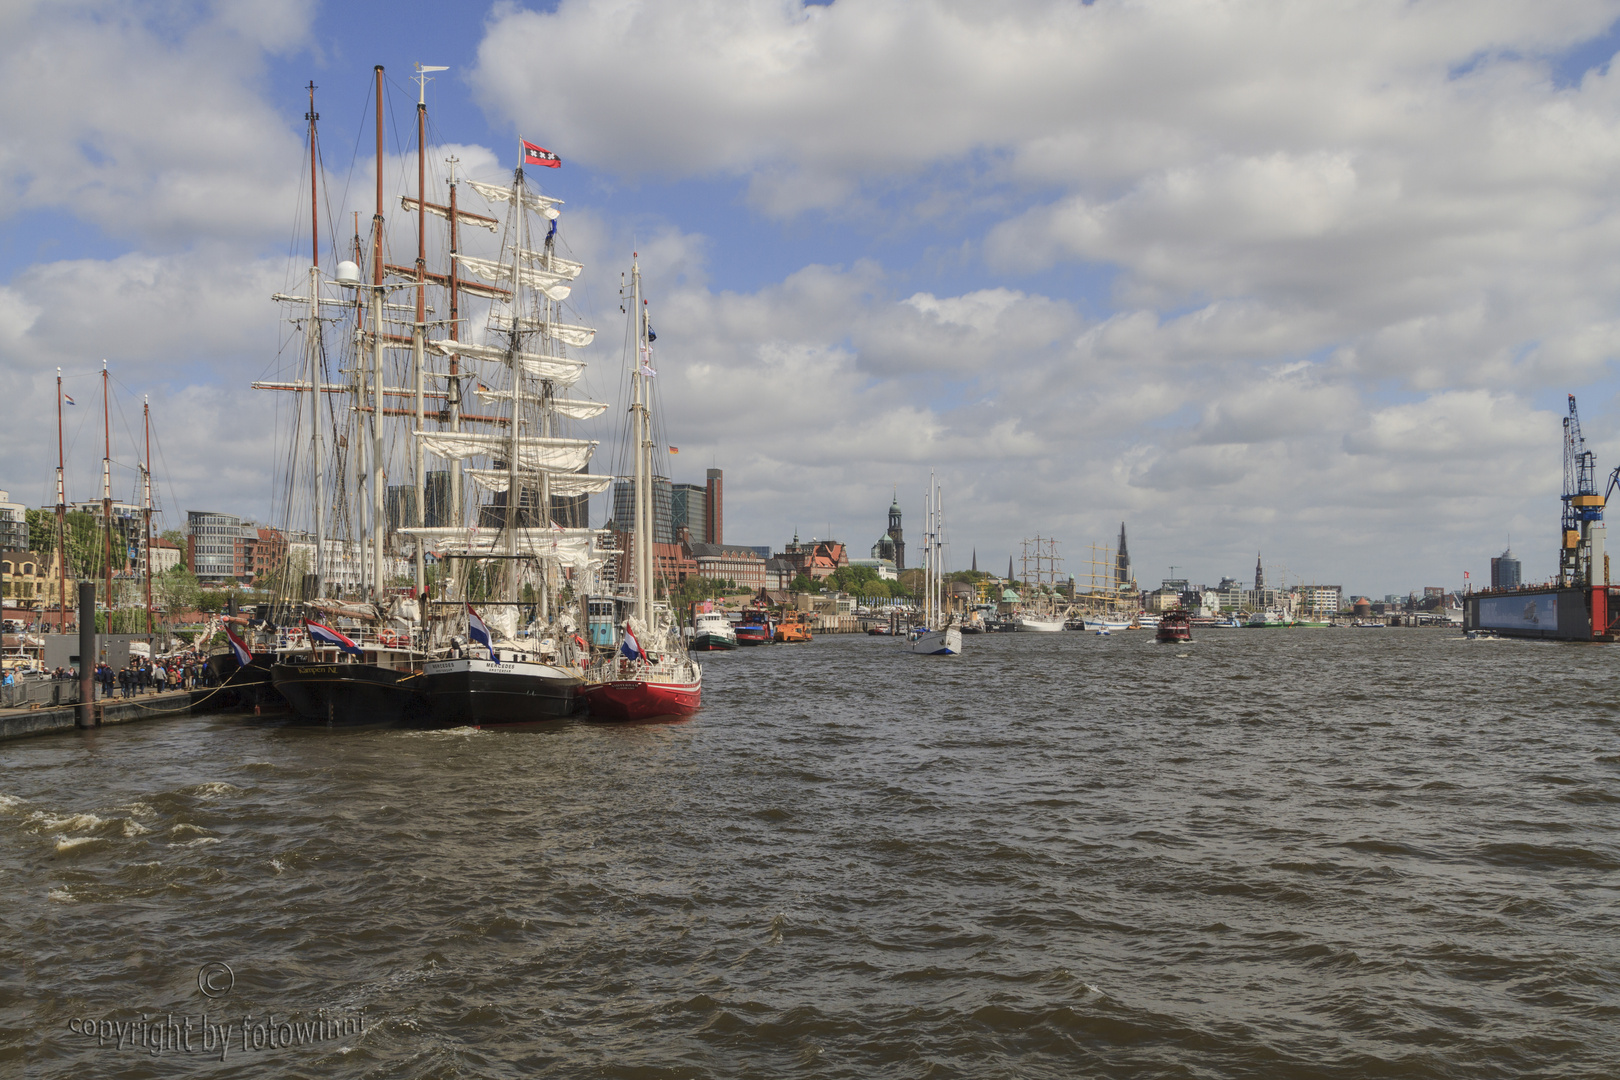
(650, 674)
(939, 634)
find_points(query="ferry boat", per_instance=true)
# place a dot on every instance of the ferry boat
(1176, 626)
(794, 627)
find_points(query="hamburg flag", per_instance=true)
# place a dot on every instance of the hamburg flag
(243, 655)
(477, 631)
(539, 155)
(325, 635)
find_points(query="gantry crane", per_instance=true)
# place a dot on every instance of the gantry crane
(1581, 560)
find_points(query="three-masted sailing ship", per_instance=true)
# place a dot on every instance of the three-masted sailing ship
(352, 644)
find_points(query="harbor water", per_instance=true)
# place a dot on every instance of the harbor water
(1269, 853)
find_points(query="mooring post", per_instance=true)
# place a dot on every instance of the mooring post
(87, 654)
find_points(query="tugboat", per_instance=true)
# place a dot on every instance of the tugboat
(1176, 626)
(755, 628)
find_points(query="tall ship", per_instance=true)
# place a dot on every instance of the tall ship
(650, 675)
(939, 633)
(467, 404)
(1580, 605)
(1039, 612)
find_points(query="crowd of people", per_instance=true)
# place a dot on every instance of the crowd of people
(140, 676)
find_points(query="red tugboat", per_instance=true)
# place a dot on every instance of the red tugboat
(756, 628)
(1175, 626)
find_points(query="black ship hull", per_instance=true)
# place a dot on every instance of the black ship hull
(467, 692)
(248, 687)
(349, 694)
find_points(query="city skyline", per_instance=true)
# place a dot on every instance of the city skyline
(1312, 282)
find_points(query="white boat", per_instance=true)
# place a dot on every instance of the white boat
(1147, 622)
(1107, 624)
(938, 634)
(1038, 624)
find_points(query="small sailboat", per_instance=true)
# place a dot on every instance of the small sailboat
(650, 675)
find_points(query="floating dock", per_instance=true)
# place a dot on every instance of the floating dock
(1571, 613)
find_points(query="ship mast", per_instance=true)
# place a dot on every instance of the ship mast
(312, 342)
(419, 328)
(106, 490)
(61, 517)
(376, 476)
(643, 483)
(146, 512)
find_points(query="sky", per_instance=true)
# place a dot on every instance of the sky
(1310, 281)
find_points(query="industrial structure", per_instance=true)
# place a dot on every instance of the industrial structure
(1579, 606)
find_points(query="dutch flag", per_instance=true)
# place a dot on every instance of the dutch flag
(477, 631)
(244, 656)
(630, 647)
(325, 635)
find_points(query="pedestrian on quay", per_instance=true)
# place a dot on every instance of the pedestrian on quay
(160, 678)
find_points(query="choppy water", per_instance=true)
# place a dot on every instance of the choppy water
(1268, 854)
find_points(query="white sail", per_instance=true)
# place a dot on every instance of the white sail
(533, 452)
(567, 269)
(570, 547)
(555, 369)
(568, 335)
(548, 283)
(559, 484)
(539, 203)
(574, 410)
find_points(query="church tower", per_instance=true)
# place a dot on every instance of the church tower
(892, 544)
(1259, 575)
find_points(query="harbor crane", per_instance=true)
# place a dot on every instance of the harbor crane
(1581, 558)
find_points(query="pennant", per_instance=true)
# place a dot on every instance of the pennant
(477, 631)
(648, 371)
(244, 655)
(539, 155)
(325, 635)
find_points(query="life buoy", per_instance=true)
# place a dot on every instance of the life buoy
(579, 641)
(387, 638)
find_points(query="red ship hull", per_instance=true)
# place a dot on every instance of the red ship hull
(632, 699)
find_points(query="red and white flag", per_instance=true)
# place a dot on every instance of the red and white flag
(539, 155)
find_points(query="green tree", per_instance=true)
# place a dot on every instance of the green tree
(175, 537)
(41, 530)
(176, 591)
(802, 583)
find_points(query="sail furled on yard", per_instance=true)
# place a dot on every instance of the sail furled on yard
(550, 283)
(572, 409)
(570, 547)
(563, 332)
(555, 369)
(541, 204)
(560, 485)
(532, 452)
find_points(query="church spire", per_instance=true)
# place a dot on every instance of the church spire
(975, 560)
(1259, 574)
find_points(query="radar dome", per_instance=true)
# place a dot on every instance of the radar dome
(348, 273)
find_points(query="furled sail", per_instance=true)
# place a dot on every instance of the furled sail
(568, 335)
(534, 452)
(571, 547)
(539, 203)
(550, 284)
(556, 369)
(463, 216)
(574, 410)
(559, 484)
(556, 264)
